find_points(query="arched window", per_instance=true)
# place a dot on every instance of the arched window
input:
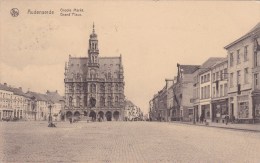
(102, 88)
(78, 101)
(85, 101)
(71, 88)
(116, 87)
(70, 101)
(109, 101)
(102, 101)
(109, 75)
(78, 88)
(109, 87)
(85, 87)
(93, 88)
(116, 101)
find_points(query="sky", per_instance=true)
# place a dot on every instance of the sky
(152, 36)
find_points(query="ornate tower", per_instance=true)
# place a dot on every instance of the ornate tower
(93, 51)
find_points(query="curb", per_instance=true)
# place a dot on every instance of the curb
(228, 128)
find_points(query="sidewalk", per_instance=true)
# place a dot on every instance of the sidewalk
(244, 127)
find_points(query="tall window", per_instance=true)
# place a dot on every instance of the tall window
(78, 87)
(116, 87)
(246, 75)
(70, 101)
(102, 101)
(102, 87)
(238, 77)
(116, 101)
(214, 91)
(109, 75)
(245, 53)
(202, 93)
(208, 77)
(256, 81)
(231, 80)
(217, 75)
(225, 73)
(85, 87)
(213, 77)
(208, 90)
(109, 101)
(85, 100)
(201, 80)
(231, 59)
(238, 56)
(225, 89)
(257, 58)
(78, 101)
(221, 90)
(109, 87)
(93, 88)
(70, 88)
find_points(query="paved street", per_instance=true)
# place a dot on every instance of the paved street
(125, 142)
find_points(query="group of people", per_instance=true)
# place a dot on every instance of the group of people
(227, 119)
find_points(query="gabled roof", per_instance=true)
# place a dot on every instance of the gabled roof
(248, 34)
(129, 103)
(4, 87)
(209, 63)
(38, 96)
(188, 69)
(16, 91)
(54, 96)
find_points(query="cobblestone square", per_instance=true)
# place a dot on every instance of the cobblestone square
(125, 142)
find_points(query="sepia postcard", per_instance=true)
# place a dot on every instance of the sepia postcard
(129, 81)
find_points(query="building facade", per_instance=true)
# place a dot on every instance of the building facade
(219, 84)
(183, 108)
(243, 69)
(94, 85)
(6, 102)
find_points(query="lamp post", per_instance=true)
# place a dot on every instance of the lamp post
(50, 117)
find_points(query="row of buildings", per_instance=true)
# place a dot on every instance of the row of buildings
(132, 112)
(17, 105)
(219, 87)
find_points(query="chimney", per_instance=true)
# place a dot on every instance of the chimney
(21, 88)
(5, 84)
(48, 91)
(56, 91)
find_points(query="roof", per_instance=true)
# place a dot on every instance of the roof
(188, 69)
(4, 87)
(54, 96)
(106, 64)
(256, 27)
(16, 91)
(129, 103)
(209, 63)
(38, 96)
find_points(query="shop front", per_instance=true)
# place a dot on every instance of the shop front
(243, 115)
(205, 112)
(219, 110)
(256, 108)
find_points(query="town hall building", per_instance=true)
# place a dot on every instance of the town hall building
(94, 86)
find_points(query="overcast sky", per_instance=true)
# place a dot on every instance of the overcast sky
(152, 37)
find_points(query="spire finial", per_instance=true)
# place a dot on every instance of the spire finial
(93, 27)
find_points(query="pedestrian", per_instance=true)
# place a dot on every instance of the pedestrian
(227, 119)
(70, 120)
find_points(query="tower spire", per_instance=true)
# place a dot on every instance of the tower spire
(93, 27)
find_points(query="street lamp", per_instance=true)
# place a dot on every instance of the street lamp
(50, 116)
